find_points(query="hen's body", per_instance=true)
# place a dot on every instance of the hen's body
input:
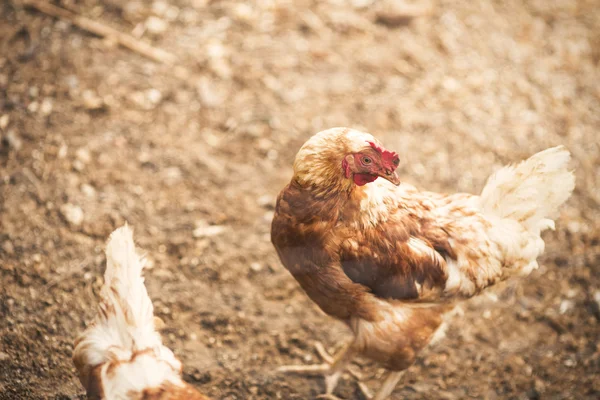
(391, 260)
(121, 356)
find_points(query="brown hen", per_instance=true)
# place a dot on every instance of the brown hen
(389, 260)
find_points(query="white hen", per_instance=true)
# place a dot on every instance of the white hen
(121, 356)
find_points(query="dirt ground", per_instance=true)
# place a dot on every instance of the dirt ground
(193, 155)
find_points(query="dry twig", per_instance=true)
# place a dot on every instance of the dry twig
(102, 30)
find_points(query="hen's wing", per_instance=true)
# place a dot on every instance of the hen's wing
(429, 248)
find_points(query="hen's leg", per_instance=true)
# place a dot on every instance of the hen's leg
(332, 368)
(390, 382)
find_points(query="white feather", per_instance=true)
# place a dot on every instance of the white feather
(125, 326)
(531, 191)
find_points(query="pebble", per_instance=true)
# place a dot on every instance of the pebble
(47, 106)
(34, 91)
(209, 94)
(208, 231)
(266, 201)
(12, 141)
(394, 13)
(160, 7)
(172, 176)
(256, 267)
(8, 247)
(88, 190)
(62, 151)
(596, 297)
(4, 121)
(156, 26)
(91, 101)
(83, 155)
(72, 213)
(33, 106)
(358, 4)
(3, 356)
(566, 306)
(147, 99)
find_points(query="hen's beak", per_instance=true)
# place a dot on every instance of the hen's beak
(390, 175)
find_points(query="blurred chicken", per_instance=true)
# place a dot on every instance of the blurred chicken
(390, 260)
(121, 356)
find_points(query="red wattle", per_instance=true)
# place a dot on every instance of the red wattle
(363, 179)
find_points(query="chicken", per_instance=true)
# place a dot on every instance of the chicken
(391, 261)
(121, 356)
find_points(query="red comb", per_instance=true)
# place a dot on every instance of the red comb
(390, 158)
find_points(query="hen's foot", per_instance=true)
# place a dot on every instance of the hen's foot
(332, 369)
(366, 392)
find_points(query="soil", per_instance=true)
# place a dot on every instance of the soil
(193, 155)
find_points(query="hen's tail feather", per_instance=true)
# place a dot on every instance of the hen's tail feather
(124, 323)
(125, 290)
(530, 192)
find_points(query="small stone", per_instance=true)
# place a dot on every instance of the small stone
(209, 95)
(597, 297)
(149, 263)
(33, 106)
(569, 362)
(160, 7)
(72, 213)
(4, 356)
(147, 99)
(358, 4)
(156, 26)
(34, 92)
(566, 306)
(72, 81)
(256, 267)
(539, 386)
(596, 303)
(394, 13)
(268, 216)
(91, 101)
(221, 67)
(172, 176)
(88, 190)
(12, 141)
(62, 151)
(78, 165)
(144, 157)
(272, 154)
(243, 12)
(4, 121)
(208, 231)
(8, 247)
(47, 106)
(83, 155)
(133, 10)
(266, 201)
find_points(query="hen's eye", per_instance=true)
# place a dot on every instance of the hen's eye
(396, 162)
(366, 160)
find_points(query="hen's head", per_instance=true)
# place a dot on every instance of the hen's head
(343, 157)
